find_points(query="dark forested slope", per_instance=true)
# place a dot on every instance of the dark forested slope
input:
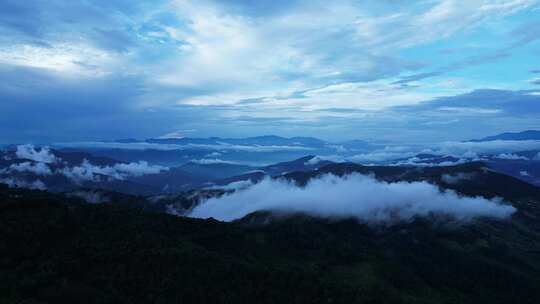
(59, 250)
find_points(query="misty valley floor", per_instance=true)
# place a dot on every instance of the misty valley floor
(53, 250)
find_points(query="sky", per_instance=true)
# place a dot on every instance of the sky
(404, 71)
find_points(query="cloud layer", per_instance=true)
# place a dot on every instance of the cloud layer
(43, 162)
(358, 196)
(80, 69)
(42, 155)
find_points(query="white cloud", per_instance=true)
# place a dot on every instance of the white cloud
(524, 174)
(168, 147)
(176, 134)
(89, 172)
(36, 168)
(275, 55)
(92, 197)
(210, 161)
(213, 154)
(416, 161)
(488, 147)
(511, 156)
(66, 59)
(355, 195)
(457, 178)
(386, 154)
(235, 186)
(17, 183)
(320, 158)
(30, 152)
(138, 169)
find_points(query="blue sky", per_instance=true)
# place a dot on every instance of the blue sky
(383, 69)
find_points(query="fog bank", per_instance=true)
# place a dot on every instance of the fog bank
(359, 196)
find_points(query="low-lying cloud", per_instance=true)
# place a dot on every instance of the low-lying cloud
(31, 167)
(212, 161)
(495, 147)
(19, 183)
(457, 178)
(89, 172)
(43, 162)
(359, 196)
(188, 146)
(42, 155)
(92, 197)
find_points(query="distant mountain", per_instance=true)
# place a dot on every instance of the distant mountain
(427, 159)
(218, 170)
(525, 135)
(358, 145)
(306, 163)
(475, 179)
(268, 140)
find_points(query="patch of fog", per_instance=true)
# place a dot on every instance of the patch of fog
(524, 173)
(92, 197)
(457, 178)
(42, 155)
(359, 196)
(495, 147)
(89, 172)
(211, 161)
(190, 146)
(18, 183)
(321, 158)
(234, 186)
(31, 167)
(511, 156)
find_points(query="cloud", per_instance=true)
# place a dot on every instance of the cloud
(176, 134)
(92, 197)
(18, 183)
(511, 156)
(357, 196)
(535, 80)
(210, 161)
(89, 172)
(386, 154)
(78, 69)
(498, 147)
(416, 161)
(30, 152)
(86, 171)
(168, 147)
(321, 158)
(138, 169)
(457, 178)
(235, 186)
(524, 174)
(36, 168)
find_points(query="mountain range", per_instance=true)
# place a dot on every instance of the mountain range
(123, 251)
(82, 225)
(524, 135)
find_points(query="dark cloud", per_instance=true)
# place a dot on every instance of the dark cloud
(39, 106)
(521, 103)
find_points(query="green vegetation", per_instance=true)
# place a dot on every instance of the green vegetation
(58, 250)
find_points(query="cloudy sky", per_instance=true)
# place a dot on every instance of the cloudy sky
(425, 70)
